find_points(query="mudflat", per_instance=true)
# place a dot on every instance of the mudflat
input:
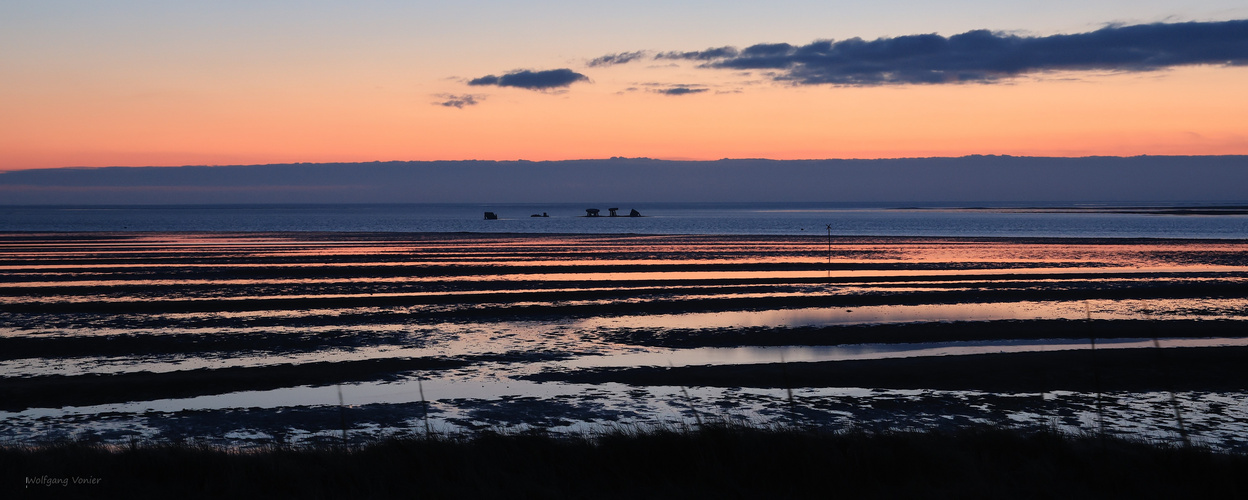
(571, 330)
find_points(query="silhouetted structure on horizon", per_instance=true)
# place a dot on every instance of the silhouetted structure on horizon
(614, 212)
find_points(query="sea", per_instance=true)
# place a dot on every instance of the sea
(1018, 220)
(181, 315)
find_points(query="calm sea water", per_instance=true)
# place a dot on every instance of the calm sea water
(1089, 220)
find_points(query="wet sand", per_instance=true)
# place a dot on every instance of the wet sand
(158, 320)
(1138, 370)
(53, 391)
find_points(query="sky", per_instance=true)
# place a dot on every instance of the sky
(224, 82)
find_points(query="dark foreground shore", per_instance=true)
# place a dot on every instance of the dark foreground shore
(714, 462)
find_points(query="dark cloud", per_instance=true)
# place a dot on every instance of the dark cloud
(534, 80)
(613, 59)
(458, 101)
(764, 50)
(985, 56)
(701, 55)
(681, 91)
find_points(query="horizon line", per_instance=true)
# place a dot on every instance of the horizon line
(624, 158)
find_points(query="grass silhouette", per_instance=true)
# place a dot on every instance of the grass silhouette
(714, 460)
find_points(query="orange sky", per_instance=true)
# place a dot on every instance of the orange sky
(207, 103)
(1188, 111)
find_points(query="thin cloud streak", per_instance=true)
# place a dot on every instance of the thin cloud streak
(613, 59)
(458, 101)
(701, 55)
(985, 56)
(681, 91)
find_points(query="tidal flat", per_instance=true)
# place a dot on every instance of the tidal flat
(259, 339)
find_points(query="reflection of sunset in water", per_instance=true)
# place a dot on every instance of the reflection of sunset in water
(511, 306)
(1027, 310)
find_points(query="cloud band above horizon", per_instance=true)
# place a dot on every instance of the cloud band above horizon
(978, 56)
